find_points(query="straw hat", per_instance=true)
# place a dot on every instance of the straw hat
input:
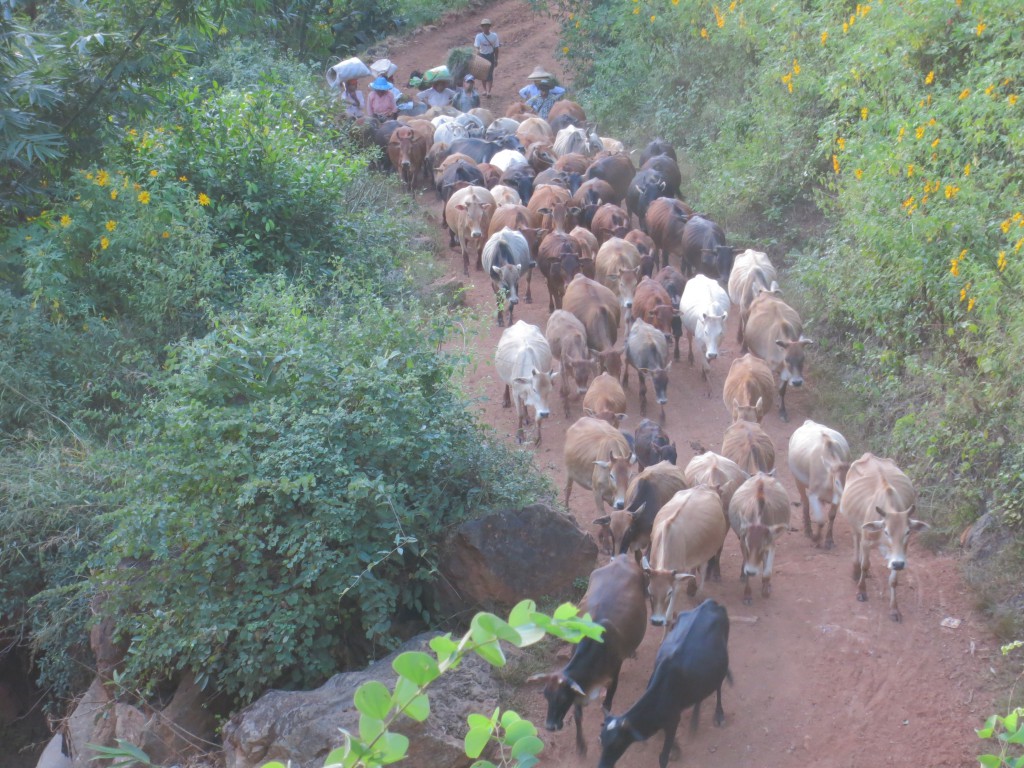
(384, 67)
(381, 84)
(540, 74)
(486, 23)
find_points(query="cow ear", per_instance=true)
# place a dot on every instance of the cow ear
(639, 509)
(782, 343)
(532, 264)
(606, 520)
(554, 375)
(460, 207)
(646, 565)
(589, 412)
(684, 576)
(918, 525)
(806, 341)
(544, 211)
(575, 211)
(495, 272)
(520, 380)
(602, 464)
(874, 526)
(778, 529)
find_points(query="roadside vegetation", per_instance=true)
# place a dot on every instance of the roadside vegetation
(878, 148)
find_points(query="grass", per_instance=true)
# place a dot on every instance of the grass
(416, 13)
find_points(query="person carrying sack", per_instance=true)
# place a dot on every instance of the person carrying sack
(486, 45)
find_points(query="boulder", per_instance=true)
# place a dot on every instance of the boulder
(495, 561)
(302, 726)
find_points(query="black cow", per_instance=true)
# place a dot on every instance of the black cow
(653, 445)
(692, 662)
(705, 251)
(669, 170)
(482, 151)
(457, 176)
(647, 186)
(564, 120)
(657, 147)
(520, 178)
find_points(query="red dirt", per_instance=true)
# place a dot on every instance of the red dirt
(820, 679)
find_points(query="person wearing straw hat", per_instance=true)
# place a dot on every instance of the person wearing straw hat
(381, 102)
(353, 99)
(531, 90)
(545, 99)
(467, 98)
(486, 45)
(438, 94)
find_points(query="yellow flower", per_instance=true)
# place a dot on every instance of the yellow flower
(963, 292)
(796, 67)
(929, 78)
(1012, 98)
(1018, 244)
(144, 197)
(846, 27)
(636, 11)
(572, 16)
(102, 177)
(652, 18)
(824, 37)
(675, 2)
(835, 163)
(858, 173)
(704, 32)
(970, 304)
(863, 113)
(1005, 226)
(982, 26)
(565, 49)
(154, 173)
(951, 190)
(111, 225)
(203, 199)
(113, 194)
(988, 91)
(136, 186)
(1001, 262)
(908, 202)
(104, 243)
(732, 6)
(899, 136)
(719, 18)
(787, 77)
(132, 132)
(841, 143)
(65, 220)
(165, 234)
(932, 121)
(183, 178)
(789, 87)
(954, 267)
(920, 131)
(935, 143)
(965, 93)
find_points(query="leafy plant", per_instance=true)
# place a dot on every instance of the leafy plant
(1007, 731)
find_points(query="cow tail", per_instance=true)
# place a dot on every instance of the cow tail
(504, 253)
(761, 503)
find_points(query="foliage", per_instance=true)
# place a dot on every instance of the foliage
(288, 453)
(1007, 731)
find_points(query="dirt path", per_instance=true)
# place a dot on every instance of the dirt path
(820, 679)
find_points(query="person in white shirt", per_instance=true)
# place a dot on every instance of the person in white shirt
(438, 95)
(353, 99)
(531, 90)
(486, 45)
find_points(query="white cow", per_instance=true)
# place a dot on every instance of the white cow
(819, 458)
(523, 360)
(752, 272)
(509, 158)
(705, 308)
(506, 258)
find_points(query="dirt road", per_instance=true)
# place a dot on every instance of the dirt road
(820, 679)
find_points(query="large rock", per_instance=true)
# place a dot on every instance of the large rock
(493, 562)
(302, 726)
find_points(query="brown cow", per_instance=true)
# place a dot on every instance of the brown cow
(758, 515)
(652, 304)
(590, 196)
(568, 340)
(446, 162)
(666, 220)
(570, 108)
(597, 457)
(819, 460)
(588, 244)
(598, 310)
(468, 215)
(774, 332)
(573, 162)
(648, 492)
(609, 221)
(545, 198)
(406, 150)
(617, 267)
(746, 443)
(645, 247)
(749, 389)
(539, 156)
(492, 174)
(726, 476)
(605, 399)
(534, 129)
(878, 502)
(559, 260)
(752, 272)
(615, 169)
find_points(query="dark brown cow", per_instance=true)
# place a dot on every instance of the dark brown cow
(669, 170)
(652, 304)
(666, 221)
(598, 309)
(559, 261)
(406, 150)
(617, 170)
(590, 196)
(566, 107)
(645, 247)
(609, 221)
(573, 162)
(705, 251)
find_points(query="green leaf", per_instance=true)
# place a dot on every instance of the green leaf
(483, 764)
(490, 623)
(373, 699)
(519, 730)
(522, 614)
(476, 720)
(1010, 721)
(527, 762)
(527, 746)
(419, 667)
(476, 740)
(418, 708)
(989, 761)
(491, 653)
(369, 728)
(985, 732)
(443, 646)
(565, 611)
(335, 757)
(393, 747)
(509, 717)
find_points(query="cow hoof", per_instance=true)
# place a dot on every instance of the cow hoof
(747, 600)
(719, 720)
(766, 591)
(896, 616)
(862, 597)
(784, 417)
(829, 544)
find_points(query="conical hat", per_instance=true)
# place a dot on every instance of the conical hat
(540, 74)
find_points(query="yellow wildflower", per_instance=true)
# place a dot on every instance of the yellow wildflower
(203, 199)
(929, 78)
(111, 225)
(102, 177)
(988, 91)
(165, 234)
(565, 49)
(920, 131)
(1018, 244)
(954, 267)
(951, 190)
(636, 11)
(824, 37)
(846, 27)
(935, 143)
(154, 173)
(732, 6)
(908, 202)
(65, 220)
(910, 170)
(863, 113)
(796, 67)
(963, 292)
(113, 194)
(572, 16)
(652, 18)
(1001, 261)
(1005, 226)
(965, 93)
(932, 121)
(835, 163)
(1012, 98)
(853, 18)
(789, 87)
(858, 173)
(104, 243)
(719, 18)
(841, 143)
(982, 26)
(704, 32)
(899, 136)
(787, 77)
(971, 303)
(144, 197)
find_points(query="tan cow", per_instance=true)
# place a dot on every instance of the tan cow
(819, 458)
(758, 515)
(630, 528)
(523, 360)
(588, 243)
(505, 195)
(406, 151)
(752, 272)
(878, 501)
(749, 390)
(746, 443)
(534, 129)
(598, 457)
(774, 332)
(605, 399)
(688, 531)
(618, 268)
(723, 474)
(597, 308)
(568, 340)
(468, 215)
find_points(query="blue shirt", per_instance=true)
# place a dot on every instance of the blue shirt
(532, 90)
(542, 104)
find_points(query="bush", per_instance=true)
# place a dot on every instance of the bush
(292, 481)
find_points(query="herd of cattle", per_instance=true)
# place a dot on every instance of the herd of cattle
(523, 193)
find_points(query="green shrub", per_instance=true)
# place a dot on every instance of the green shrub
(292, 480)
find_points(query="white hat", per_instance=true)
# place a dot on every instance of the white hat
(384, 67)
(540, 74)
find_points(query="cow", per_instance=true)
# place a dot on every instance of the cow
(558, 258)
(657, 147)
(379, 134)
(609, 221)
(749, 389)
(704, 307)
(652, 445)
(615, 600)
(878, 502)
(468, 215)
(492, 174)
(568, 341)
(819, 459)
(544, 201)
(502, 126)
(506, 257)
(474, 125)
(645, 247)
(617, 171)
(597, 457)
(588, 246)
(647, 351)
(521, 180)
(752, 272)
(598, 309)
(611, 146)
(647, 493)
(758, 515)
(435, 156)
(574, 162)
(406, 151)
(482, 151)
(605, 399)
(523, 360)
(646, 186)
(556, 178)
(590, 196)
(567, 107)
(688, 531)
(746, 443)
(617, 268)
(652, 304)
(691, 664)
(573, 140)
(704, 249)
(665, 222)
(456, 176)
(540, 156)
(504, 195)
(715, 471)
(564, 121)
(508, 158)
(448, 131)
(774, 332)
(534, 129)
(669, 170)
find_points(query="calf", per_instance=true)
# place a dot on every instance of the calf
(749, 389)
(819, 459)
(645, 247)
(652, 445)
(468, 215)
(746, 443)
(704, 306)
(774, 332)
(590, 196)
(752, 272)
(878, 501)
(691, 664)
(605, 399)
(648, 492)
(597, 457)
(568, 340)
(523, 360)
(758, 515)
(647, 352)
(615, 600)
(506, 256)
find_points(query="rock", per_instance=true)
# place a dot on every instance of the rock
(53, 756)
(497, 560)
(302, 726)
(449, 292)
(984, 538)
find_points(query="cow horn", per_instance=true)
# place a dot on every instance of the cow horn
(543, 676)
(575, 687)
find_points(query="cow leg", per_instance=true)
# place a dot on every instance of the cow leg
(506, 401)
(695, 717)
(719, 712)
(529, 286)
(465, 261)
(713, 572)
(671, 725)
(568, 490)
(747, 598)
(537, 441)
(643, 392)
(805, 504)
(782, 402)
(861, 567)
(894, 610)
(829, 542)
(612, 687)
(689, 346)
(577, 711)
